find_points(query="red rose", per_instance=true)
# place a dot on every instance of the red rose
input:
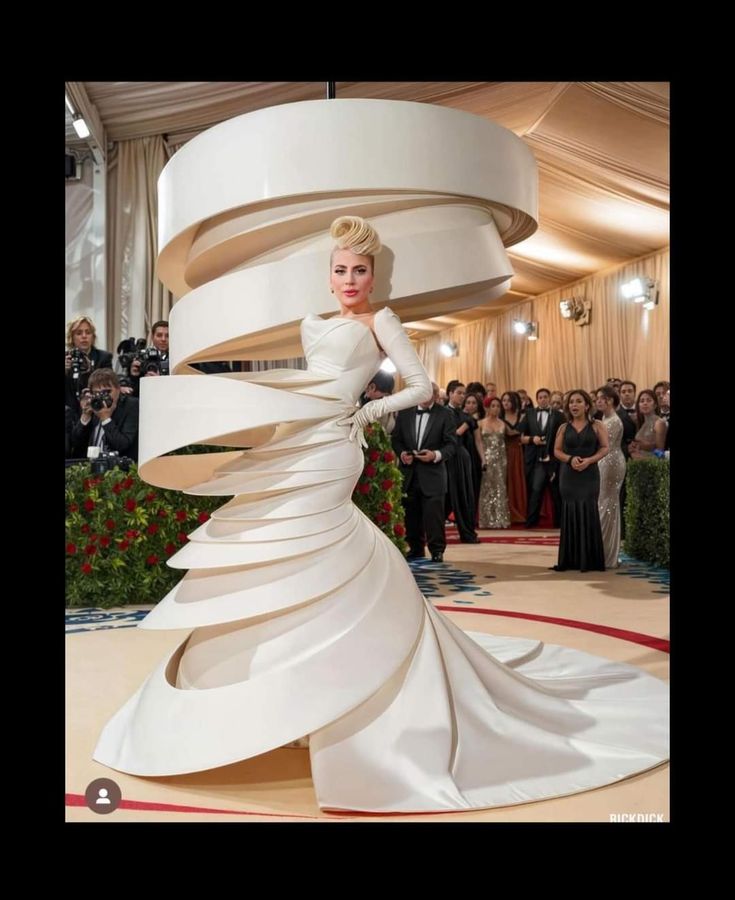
(131, 534)
(116, 488)
(152, 560)
(364, 488)
(73, 507)
(389, 456)
(151, 495)
(386, 485)
(128, 483)
(182, 537)
(370, 471)
(170, 548)
(87, 483)
(162, 513)
(130, 504)
(89, 504)
(93, 538)
(123, 545)
(71, 549)
(374, 455)
(90, 549)
(104, 541)
(110, 524)
(399, 530)
(152, 528)
(181, 515)
(382, 518)
(86, 568)
(202, 517)
(387, 506)
(85, 528)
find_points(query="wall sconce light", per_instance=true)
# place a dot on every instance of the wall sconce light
(577, 309)
(449, 349)
(641, 290)
(530, 329)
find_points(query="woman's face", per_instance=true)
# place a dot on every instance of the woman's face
(507, 402)
(494, 408)
(351, 279)
(578, 406)
(602, 403)
(470, 405)
(83, 337)
(646, 404)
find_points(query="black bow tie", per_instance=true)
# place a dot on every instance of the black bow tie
(422, 412)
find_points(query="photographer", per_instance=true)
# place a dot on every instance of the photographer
(108, 419)
(82, 358)
(153, 360)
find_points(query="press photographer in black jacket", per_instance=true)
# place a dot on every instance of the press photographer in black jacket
(108, 419)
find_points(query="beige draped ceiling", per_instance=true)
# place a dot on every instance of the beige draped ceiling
(623, 340)
(602, 151)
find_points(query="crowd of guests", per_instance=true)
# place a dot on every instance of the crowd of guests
(489, 461)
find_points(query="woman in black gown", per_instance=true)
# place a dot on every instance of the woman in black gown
(580, 445)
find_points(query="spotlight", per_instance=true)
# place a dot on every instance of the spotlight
(449, 349)
(528, 328)
(577, 309)
(641, 290)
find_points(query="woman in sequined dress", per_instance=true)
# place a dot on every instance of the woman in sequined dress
(493, 506)
(651, 434)
(612, 475)
(512, 415)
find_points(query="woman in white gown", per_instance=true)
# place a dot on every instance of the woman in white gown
(308, 622)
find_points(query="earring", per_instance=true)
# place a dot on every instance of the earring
(331, 290)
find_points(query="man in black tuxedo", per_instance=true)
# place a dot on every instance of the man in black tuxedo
(538, 433)
(112, 427)
(429, 429)
(627, 394)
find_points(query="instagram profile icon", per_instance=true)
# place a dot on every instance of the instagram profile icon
(103, 796)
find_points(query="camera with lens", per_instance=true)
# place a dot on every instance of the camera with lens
(101, 399)
(152, 360)
(79, 361)
(106, 461)
(129, 350)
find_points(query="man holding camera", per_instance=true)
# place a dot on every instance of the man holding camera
(153, 360)
(108, 420)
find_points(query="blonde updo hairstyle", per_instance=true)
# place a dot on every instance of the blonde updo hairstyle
(355, 234)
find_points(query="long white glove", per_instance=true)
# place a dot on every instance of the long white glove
(394, 340)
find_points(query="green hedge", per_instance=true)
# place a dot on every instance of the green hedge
(120, 531)
(647, 511)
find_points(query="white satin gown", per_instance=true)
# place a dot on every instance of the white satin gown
(307, 621)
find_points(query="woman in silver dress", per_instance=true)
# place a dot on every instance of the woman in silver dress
(612, 475)
(493, 505)
(651, 434)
